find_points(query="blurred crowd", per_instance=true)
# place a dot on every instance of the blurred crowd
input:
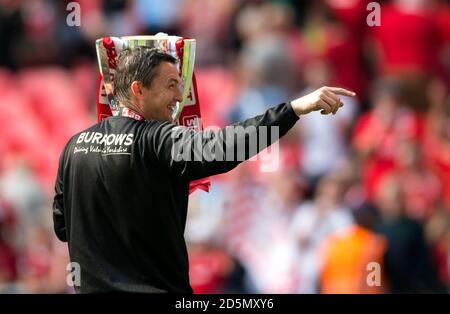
(360, 202)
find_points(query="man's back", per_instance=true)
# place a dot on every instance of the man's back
(114, 192)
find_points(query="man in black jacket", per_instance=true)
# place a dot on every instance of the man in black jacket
(122, 184)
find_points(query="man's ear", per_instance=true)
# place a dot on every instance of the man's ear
(136, 90)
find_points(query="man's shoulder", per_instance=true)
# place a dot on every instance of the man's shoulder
(110, 124)
(73, 139)
(160, 128)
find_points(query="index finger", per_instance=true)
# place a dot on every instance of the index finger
(341, 91)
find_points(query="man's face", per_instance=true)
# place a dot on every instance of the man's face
(159, 100)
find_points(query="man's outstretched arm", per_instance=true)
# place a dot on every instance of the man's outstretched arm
(191, 155)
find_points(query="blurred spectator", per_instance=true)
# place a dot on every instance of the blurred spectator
(421, 188)
(265, 68)
(437, 139)
(319, 134)
(312, 223)
(208, 29)
(409, 40)
(337, 30)
(408, 263)
(11, 28)
(379, 131)
(410, 45)
(438, 235)
(35, 262)
(19, 187)
(347, 258)
(256, 220)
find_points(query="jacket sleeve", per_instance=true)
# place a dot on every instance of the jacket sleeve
(191, 155)
(58, 203)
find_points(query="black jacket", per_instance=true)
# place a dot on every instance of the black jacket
(121, 198)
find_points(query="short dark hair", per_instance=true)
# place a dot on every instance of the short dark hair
(137, 64)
